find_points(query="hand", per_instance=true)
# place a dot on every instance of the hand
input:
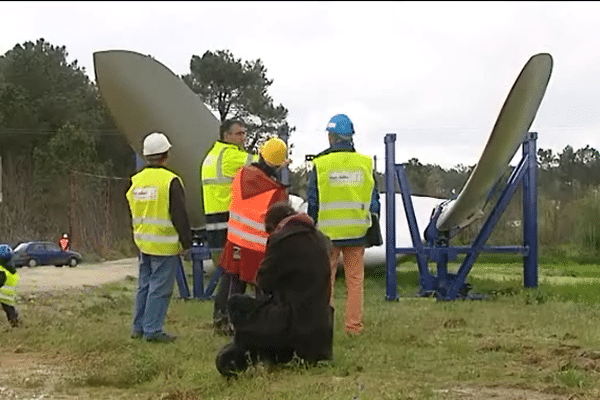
(185, 254)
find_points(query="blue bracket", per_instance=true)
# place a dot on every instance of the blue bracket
(199, 252)
(184, 291)
(449, 286)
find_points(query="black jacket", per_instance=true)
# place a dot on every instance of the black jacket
(295, 274)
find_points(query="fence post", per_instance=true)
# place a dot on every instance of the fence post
(72, 212)
(107, 226)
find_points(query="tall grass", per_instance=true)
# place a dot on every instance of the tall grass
(588, 221)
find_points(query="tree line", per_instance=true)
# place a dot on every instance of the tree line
(58, 140)
(53, 123)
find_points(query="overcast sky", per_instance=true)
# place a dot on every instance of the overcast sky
(436, 74)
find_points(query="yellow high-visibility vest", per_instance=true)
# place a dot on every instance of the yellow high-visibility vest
(148, 197)
(345, 184)
(8, 291)
(217, 172)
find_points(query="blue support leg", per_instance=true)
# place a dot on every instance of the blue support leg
(199, 253)
(214, 279)
(390, 228)
(530, 229)
(184, 291)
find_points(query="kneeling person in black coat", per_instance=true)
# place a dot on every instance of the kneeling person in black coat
(295, 316)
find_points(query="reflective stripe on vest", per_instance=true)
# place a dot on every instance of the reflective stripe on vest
(216, 226)
(259, 240)
(345, 183)
(216, 183)
(246, 225)
(246, 221)
(148, 197)
(9, 290)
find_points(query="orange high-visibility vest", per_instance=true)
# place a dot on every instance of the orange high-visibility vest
(246, 225)
(64, 244)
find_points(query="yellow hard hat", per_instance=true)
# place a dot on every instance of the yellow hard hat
(274, 151)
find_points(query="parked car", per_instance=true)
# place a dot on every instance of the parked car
(32, 254)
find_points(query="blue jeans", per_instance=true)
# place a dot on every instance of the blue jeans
(155, 286)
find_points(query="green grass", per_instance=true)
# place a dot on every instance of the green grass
(543, 340)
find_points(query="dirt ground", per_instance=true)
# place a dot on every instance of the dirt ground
(37, 375)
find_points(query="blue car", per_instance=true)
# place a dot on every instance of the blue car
(32, 254)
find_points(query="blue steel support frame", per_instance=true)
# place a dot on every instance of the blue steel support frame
(198, 253)
(447, 286)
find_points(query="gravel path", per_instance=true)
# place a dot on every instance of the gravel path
(50, 278)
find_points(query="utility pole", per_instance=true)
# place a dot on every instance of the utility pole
(284, 134)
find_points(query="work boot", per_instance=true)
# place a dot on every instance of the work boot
(231, 360)
(15, 322)
(137, 335)
(161, 337)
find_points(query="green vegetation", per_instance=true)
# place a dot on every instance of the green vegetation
(539, 343)
(236, 89)
(65, 166)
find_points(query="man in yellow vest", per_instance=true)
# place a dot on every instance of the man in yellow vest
(219, 167)
(9, 279)
(342, 196)
(161, 230)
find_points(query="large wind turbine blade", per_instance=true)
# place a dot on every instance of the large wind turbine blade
(512, 125)
(144, 96)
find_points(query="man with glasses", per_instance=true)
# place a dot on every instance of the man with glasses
(219, 167)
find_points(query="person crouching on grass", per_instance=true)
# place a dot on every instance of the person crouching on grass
(295, 317)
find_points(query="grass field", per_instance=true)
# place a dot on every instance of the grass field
(536, 344)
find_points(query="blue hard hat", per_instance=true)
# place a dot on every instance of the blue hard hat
(341, 125)
(6, 252)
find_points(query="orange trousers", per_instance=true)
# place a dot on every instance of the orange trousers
(354, 270)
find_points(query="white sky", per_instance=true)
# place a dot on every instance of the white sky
(436, 74)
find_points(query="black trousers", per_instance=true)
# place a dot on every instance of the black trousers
(236, 357)
(11, 314)
(229, 284)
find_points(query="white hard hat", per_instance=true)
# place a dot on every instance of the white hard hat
(156, 143)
